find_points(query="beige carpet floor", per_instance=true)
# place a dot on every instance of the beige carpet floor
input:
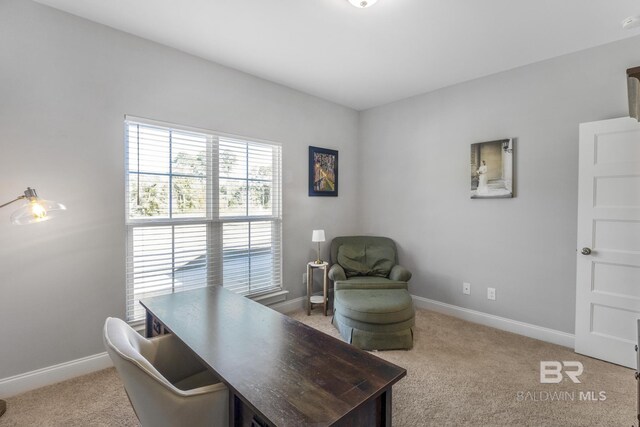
(459, 373)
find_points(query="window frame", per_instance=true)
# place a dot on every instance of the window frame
(213, 220)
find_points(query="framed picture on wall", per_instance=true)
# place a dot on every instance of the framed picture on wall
(492, 169)
(323, 172)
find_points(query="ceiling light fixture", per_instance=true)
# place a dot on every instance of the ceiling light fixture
(361, 4)
(631, 22)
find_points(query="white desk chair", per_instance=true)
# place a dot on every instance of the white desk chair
(166, 384)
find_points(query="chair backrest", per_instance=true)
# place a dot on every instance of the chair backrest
(149, 392)
(367, 255)
(127, 347)
(155, 400)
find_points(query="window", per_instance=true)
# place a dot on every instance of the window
(201, 209)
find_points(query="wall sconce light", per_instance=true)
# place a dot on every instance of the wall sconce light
(34, 209)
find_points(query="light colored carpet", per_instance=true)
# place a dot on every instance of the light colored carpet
(97, 399)
(459, 373)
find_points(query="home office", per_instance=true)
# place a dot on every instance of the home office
(179, 140)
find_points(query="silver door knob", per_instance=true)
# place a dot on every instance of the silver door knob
(586, 251)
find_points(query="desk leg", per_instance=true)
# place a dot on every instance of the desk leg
(385, 408)
(148, 330)
(374, 412)
(235, 410)
(241, 415)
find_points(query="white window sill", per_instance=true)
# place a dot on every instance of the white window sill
(270, 298)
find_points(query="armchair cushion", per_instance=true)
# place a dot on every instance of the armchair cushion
(400, 273)
(360, 259)
(351, 259)
(380, 260)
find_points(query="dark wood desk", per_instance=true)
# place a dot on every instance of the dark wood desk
(279, 371)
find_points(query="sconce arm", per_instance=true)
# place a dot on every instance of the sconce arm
(14, 200)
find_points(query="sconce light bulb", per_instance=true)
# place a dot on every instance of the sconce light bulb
(38, 211)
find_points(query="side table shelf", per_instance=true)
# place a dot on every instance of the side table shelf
(317, 299)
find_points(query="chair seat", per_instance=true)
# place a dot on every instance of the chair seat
(379, 306)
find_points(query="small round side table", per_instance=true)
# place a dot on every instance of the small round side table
(317, 299)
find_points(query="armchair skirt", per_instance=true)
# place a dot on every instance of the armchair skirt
(381, 320)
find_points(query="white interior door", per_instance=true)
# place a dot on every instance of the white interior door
(608, 278)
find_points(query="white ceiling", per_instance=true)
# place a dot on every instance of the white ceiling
(367, 57)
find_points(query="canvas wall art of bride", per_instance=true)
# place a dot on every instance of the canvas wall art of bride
(492, 169)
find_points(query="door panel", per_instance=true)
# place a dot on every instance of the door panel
(615, 323)
(617, 147)
(618, 192)
(616, 279)
(608, 279)
(617, 235)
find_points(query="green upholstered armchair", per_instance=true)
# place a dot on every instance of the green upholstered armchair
(373, 309)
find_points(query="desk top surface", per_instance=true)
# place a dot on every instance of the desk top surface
(288, 372)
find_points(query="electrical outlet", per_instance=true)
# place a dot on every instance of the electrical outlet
(466, 288)
(491, 294)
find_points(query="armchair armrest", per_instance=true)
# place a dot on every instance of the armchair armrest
(400, 274)
(336, 272)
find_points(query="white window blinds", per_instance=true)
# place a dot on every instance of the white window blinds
(202, 209)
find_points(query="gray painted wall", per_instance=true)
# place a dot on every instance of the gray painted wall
(66, 83)
(415, 182)
(65, 86)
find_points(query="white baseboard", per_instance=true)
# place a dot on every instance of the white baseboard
(289, 306)
(50, 375)
(528, 330)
